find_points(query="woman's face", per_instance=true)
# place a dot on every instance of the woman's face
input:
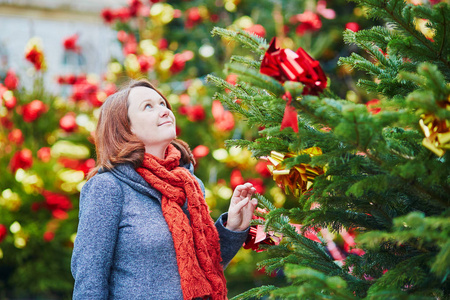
(151, 120)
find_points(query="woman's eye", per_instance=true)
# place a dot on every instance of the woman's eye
(147, 106)
(163, 103)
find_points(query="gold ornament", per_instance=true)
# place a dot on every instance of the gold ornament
(437, 134)
(297, 179)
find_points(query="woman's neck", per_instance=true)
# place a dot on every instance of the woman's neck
(159, 152)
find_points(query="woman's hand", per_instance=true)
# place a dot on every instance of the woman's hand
(241, 207)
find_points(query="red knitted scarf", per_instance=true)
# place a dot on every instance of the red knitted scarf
(196, 242)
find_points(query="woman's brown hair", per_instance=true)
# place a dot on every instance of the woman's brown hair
(115, 143)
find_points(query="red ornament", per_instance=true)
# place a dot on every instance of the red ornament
(353, 26)
(54, 201)
(257, 29)
(33, 110)
(261, 168)
(200, 151)
(236, 178)
(3, 232)
(258, 184)
(22, 159)
(44, 154)
(290, 118)
(224, 120)
(11, 80)
(232, 78)
(49, 236)
(193, 17)
(285, 64)
(257, 236)
(11, 103)
(196, 113)
(163, 44)
(372, 106)
(110, 89)
(70, 43)
(68, 123)
(145, 63)
(309, 22)
(179, 61)
(16, 136)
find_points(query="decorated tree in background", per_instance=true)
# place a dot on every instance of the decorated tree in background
(45, 156)
(45, 148)
(377, 170)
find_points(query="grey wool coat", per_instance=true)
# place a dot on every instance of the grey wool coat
(123, 248)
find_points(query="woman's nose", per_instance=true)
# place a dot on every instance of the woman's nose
(164, 112)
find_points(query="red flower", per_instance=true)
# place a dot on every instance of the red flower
(122, 36)
(44, 154)
(70, 43)
(372, 106)
(68, 123)
(11, 80)
(49, 236)
(16, 136)
(196, 113)
(285, 64)
(224, 120)
(124, 14)
(3, 232)
(108, 15)
(22, 159)
(85, 90)
(236, 178)
(200, 151)
(135, 6)
(261, 168)
(257, 29)
(353, 26)
(33, 110)
(309, 22)
(36, 57)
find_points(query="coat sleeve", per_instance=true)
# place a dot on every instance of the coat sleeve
(230, 241)
(100, 209)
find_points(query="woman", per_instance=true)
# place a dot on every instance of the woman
(144, 228)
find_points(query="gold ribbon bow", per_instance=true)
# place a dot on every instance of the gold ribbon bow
(297, 179)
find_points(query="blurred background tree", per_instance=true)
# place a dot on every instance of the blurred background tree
(44, 137)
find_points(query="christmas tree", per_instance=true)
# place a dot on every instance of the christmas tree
(375, 171)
